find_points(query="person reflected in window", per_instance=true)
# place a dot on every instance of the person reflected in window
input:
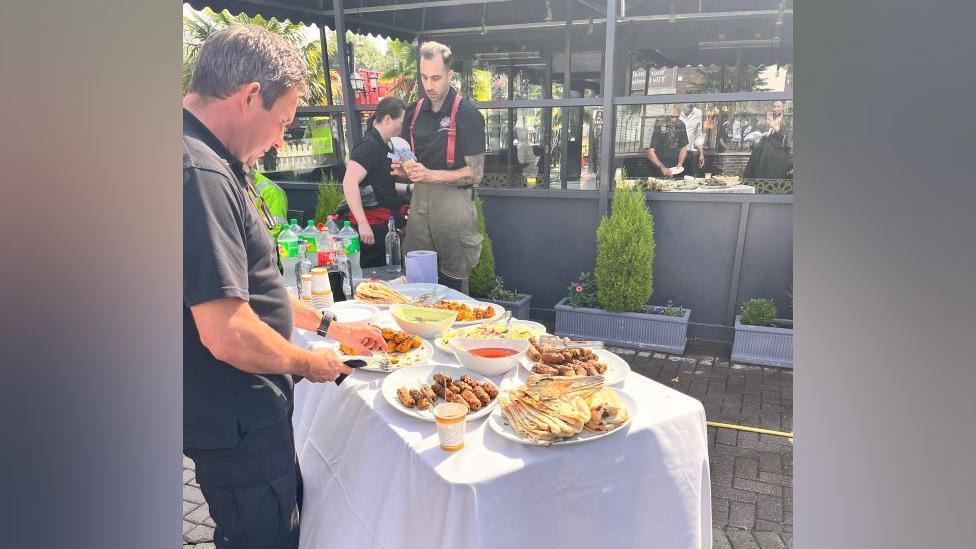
(771, 157)
(669, 143)
(695, 157)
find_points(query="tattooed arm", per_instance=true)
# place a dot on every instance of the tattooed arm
(467, 176)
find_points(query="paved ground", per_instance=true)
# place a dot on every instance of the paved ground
(752, 474)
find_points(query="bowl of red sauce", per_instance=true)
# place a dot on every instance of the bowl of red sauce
(489, 357)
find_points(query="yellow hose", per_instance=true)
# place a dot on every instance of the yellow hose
(750, 429)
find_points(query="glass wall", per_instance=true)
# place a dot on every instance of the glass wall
(311, 146)
(744, 146)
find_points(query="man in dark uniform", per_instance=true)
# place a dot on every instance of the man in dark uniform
(447, 134)
(669, 144)
(238, 363)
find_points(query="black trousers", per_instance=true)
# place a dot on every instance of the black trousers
(254, 490)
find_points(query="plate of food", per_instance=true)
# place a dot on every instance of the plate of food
(404, 350)
(470, 312)
(554, 411)
(545, 359)
(516, 329)
(383, 294)
(416, 391)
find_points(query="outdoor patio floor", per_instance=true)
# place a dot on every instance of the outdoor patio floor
(752, 474)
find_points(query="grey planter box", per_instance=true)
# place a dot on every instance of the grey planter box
(667, 334)
(768, 346)
(520, 308)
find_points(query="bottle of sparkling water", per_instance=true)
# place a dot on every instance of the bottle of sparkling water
(295, 228)
(332, 227)
(392, 246)
(288, 254)
(350, 244)
(342, 265)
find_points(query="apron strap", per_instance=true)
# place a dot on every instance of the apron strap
(452, 131)
(413, 120)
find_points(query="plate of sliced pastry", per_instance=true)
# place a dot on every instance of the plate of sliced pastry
(560, 410)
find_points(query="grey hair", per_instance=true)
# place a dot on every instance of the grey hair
(430, 49)
(241, 54)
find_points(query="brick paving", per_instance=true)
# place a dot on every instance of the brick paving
(752, 474)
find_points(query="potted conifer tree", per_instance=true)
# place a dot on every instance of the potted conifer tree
(760, 337)
(485, 285)
(612, 305)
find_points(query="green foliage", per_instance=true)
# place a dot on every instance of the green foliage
(625, 254)
(499, 293)
(758, 312)
(582, 292)
(329, 198)
(709, 79)
(483, 275)
(402, 73)
(668, 310)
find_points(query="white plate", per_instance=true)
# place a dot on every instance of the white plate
(414, 290)
(466, 331)
(415, 357)
(354, 311)
(413, 378)
(497, 424)
(472, 304)
(617, 368)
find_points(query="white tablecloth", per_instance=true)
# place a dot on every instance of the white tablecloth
(376, 478)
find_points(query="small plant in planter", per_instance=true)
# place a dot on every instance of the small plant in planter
(612, 304)
(518, 303)
(760, 337)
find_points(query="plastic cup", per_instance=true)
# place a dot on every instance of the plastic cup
(451, 418)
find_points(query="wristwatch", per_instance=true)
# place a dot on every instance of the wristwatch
(327, 318)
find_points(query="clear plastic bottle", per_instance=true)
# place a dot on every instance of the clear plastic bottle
(295, 228)
(311, 236)
(349, 238)
(332, 227)
(303, 273)
(392, 246)
(325, 249)
(288, 254)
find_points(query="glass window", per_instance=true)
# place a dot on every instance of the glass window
(311, 144)
(747, 146)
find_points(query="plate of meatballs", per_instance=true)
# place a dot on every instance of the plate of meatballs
(416, 390)
(542, 359)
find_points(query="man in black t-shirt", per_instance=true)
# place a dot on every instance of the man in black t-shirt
(669, 143)
(238, 363)
(442, 212)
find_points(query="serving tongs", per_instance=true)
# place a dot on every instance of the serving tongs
(559, 343)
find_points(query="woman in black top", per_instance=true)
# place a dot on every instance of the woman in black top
(369, 184)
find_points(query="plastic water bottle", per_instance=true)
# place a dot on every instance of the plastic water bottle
(295, 228)
(303, 273)
(350, 244)
(310, 236)
(331, 226)
(288, 254)
(392, 246)
(325, 249)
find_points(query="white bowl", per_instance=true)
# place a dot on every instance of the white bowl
(489, 366)
(434, 321)
(353, 311)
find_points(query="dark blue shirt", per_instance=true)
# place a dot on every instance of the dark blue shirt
(227, 252)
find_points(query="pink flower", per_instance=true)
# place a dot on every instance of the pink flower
(579, 289)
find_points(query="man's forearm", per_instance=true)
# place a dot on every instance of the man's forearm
(304, 315)
(652, 157)
(234, 333)
(469, 175)
(682, 155)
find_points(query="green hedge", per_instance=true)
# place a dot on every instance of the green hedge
(625, 254)
(483, 275)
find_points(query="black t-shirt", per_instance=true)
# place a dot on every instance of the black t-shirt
(227, 252)
(668, 140)
(371, 153)
(431, 129)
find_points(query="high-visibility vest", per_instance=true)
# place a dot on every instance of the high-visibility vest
(276, 199)
(319, 129)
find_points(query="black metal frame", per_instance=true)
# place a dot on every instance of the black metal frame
(350, 125)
